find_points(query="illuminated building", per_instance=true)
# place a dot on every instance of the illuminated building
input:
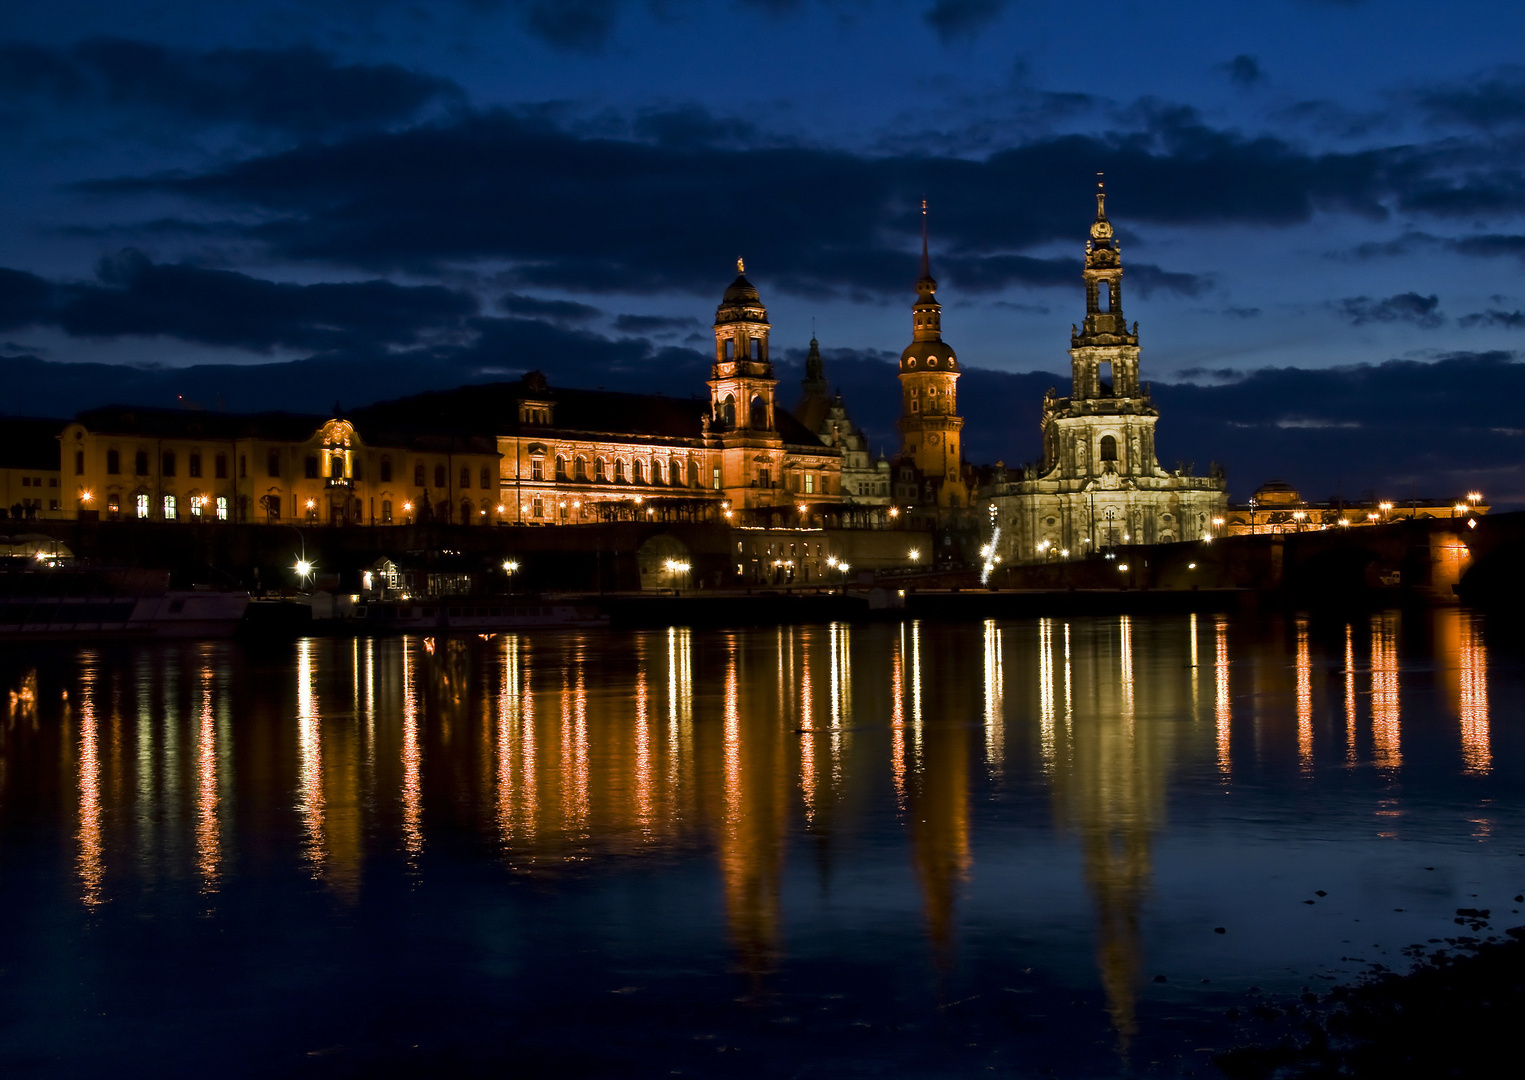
(29, 475)
(1277, 507)
(865, 482)
(1099, 483)
(572, 456)
(272, 468)
(929, 423)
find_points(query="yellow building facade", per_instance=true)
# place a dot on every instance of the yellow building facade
(182, 466)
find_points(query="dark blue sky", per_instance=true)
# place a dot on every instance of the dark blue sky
(423, 193)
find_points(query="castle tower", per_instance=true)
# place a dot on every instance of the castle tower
(742, 394)
(815, 396)
(929, 421)
(741, 384)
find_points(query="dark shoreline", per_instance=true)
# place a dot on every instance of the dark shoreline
(1453, 1015)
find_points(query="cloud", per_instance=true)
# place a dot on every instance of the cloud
(540, 308)
(1491, 101)
(1409, 307)
(1509, 320)
(654, 324)
(1244, 70)
(1242, 312)
(299, 91)
(133, 296)
(617, 215)
(955, 19)
(578, 25)
(1490, 245)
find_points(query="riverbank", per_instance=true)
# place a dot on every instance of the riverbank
(1453, 1016)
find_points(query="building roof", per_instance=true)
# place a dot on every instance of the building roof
(131, 420)
(493, 408)
(29, 443)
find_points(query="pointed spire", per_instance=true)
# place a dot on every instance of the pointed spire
(926, 262)
(1101, 197)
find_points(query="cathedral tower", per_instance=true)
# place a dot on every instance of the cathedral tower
(1099, 484)
(929, 420)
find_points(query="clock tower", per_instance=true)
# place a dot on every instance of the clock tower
(929, 420)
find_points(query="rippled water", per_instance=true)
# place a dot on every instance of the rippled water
(921, 850)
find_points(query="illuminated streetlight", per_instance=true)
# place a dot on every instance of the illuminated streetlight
(1121, 567)
(311, 504)
(1064, 553)
(85, 496)
(914, 554)
(894, 511)
(510, 567)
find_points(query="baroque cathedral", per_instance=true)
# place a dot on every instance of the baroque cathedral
(1099, 484)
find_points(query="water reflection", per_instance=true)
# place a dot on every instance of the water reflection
(890, 746)
(91, 857)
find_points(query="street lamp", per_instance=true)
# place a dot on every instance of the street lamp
(914, 554)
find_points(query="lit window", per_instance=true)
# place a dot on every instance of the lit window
(222, 508)
(809, 483)
(169, 508)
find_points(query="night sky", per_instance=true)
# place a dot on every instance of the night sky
(1321, 207)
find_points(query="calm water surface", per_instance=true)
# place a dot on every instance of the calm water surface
(920, 850)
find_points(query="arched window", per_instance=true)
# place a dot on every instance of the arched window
(759, 413)
(656, 470)
(728, 411)
(636, 474)
(619, 470)
(1108, 448)
(486, 478)
(599, 470)
(466, 512)
(561, 467)
(580, 468)
(693, 474)
(465, 477)
(439, 476)
(418, 473)
(386, 511)
(675, 472)
(386, 470)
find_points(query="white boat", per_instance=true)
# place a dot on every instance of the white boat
(34, 608)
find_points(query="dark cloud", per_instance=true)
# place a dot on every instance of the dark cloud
(1490, 101)
(1409, 307)
(133, 296)
(954, 19)
(298, 90)
(1244, 70)
(581, 25)
(617, 215)
(1490, 245)
(537, 307)
(1509, 320)
(654, 324)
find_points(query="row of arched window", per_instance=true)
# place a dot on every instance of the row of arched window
(673, 472)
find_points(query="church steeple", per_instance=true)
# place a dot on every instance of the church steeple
(815, 398)
(929, 420)
(1104, 322)
(927, 314)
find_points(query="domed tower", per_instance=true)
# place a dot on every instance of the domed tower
(742, 391)
(929, 420)
(741, 383)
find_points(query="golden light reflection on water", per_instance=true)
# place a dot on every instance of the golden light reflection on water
(91, 857)
(1351, 754)
(1471, 695)
(1046, 711)
(310, 754)
(559, 749)
(1386, 731)
(1304, 698)
(208, 827)
(412, 754)
(1223, 708)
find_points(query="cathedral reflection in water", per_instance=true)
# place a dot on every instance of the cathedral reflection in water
(212, 765)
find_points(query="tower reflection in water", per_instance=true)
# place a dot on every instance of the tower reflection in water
(560, 749)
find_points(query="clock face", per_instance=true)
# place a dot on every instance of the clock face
(932, 439)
